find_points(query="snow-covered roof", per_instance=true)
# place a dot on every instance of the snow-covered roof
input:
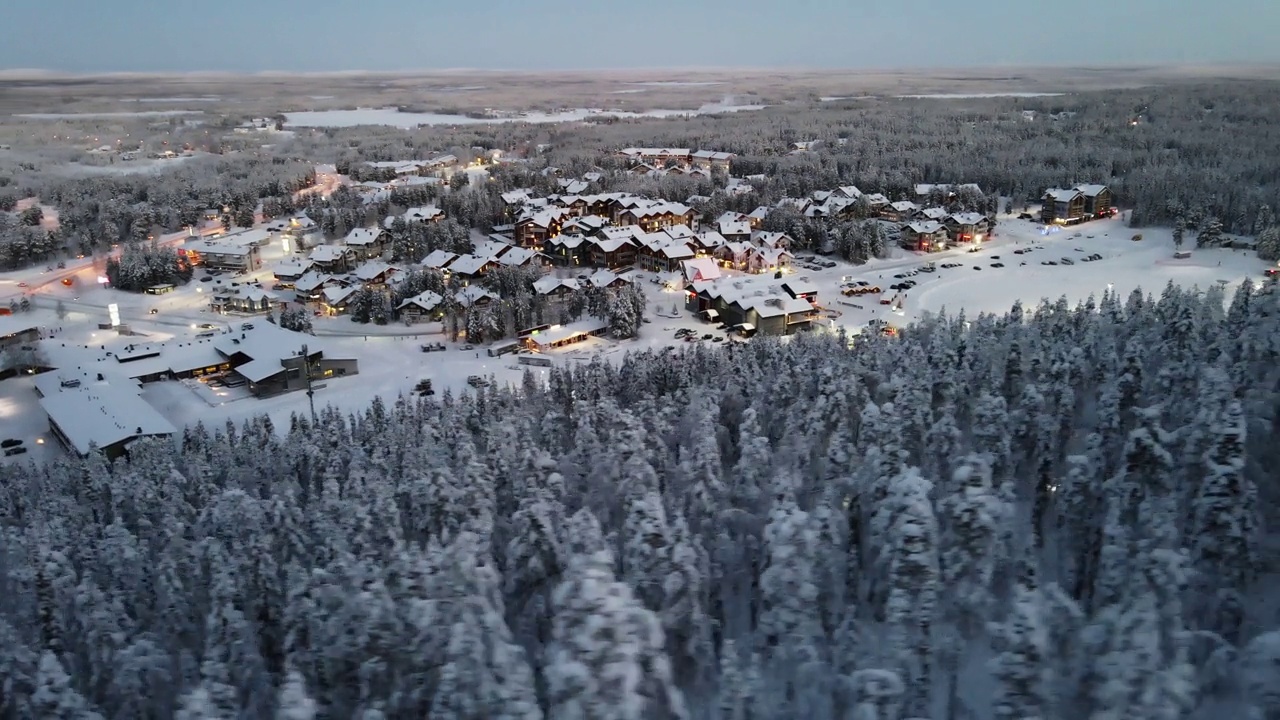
(877, 199)
(337, 294)
(425, 300)
(700, 269)
(328, 253)
(775, 306)
(731, 216)
(469, 264)
(438, 259)
(102, 414)
(560, 333)
(291, 268)
(311, 280)
(934, 213)
(925, 227)
(771, 239)
(605, 278)
(969, 218)
(800, 287)
(217, 248)
(573, 187)
(904, 206)
(609, 245)
(472, 294)
(566, 241)
(548, 285)
(711, 239)
(517, 256)
(1091, 190)
(371, 270)
(848, 191)
(735, 227)
(1062, 194)
(627, 233)
(492, 249)
(515, 197)
(362, 236)
(713, 155)
(422, 214)
(759, 213)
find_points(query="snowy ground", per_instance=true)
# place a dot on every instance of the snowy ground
(391, 360)
(976, 96)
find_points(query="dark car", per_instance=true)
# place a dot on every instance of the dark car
(1048, 262)
(977, 267)
(997, 265)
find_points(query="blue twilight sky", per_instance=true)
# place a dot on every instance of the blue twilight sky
(390, 35)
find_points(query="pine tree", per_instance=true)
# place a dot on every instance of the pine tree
(913, 585)
(54, 697)
(1179, 232)
(1021, 667)
(295, 703)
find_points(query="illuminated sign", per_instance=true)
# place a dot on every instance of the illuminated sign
(113, 311)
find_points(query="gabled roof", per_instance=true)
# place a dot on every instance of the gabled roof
(472, 294)
(848, 191)
(492, 249)
(969, 218)
(328, 253)
(713, 155)
(934, 213)
(613, 244)
(771, 239)
(371, 270)
(469, 265)
(337, 294)
(700, 269)
(291, 268)
(425, 301)
(548, 285)
(759, 213)
(925, 227)
(516, 197)
(517, 256)
(904, 206)
(735, 227)
(312, 280)
(422, 214)
(362, 236)
(605, 278)
(1062, 194)
(1091, 190)
(732, 216)
(438, 259)
(566, 241)
(877, 199)
(710, 239)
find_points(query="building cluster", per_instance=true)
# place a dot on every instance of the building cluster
(93, 395)
(1068, 206)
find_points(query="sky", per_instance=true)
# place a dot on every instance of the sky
(84, 36)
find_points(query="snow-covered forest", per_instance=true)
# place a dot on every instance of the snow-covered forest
(1059, 513)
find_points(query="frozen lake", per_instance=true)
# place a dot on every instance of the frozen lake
(395, 118)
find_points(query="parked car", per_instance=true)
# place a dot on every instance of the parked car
(1048, 262)
(1067, 261)
(468, 346)
(1025, 216)
(977, 267)
(19, 450)
(997, 265)
(10, 442)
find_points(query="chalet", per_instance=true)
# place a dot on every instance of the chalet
(658, 157)
(613, 252)
(932, 213)
(797, 204)
(438, 260)
(470, 267)
(514, 200)
(310, 287)
(287, 272)
(900, 211)
(334, 299)
(735, 230)
(575, 204)
(680, 232)
(608, 280)
(558, 336)
(733, 255)
(737, 186)
(423, 307)
(706, 242)
(555, 288)
(332, 258)
(367, 242)
(375, 274)
(700, 270)
(820, 196)
(754, 304)
(664, 256)
(712, 160)
(574, 187)
(566, 250)
(492, 249)
(269, 358)
(657, 215)
(242, 299)
(532, 230)
(584, 225)
(758, 215)
(773, 240)
(924, 235)
(967, 227)
(519, 257)
(1062, 206)
(300, 225)
(229, 256)
(1097, 200)
(847, 192)
(768, 259)
(422, 215)
(474, 296)
(876, 202)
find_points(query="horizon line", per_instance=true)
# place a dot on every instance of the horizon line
(39, 73)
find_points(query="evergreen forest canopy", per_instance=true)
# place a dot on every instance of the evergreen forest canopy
(1202, 153)
(1053, 514)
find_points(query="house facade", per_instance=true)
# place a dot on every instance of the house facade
(924, 236)
(1062, 206)
(1097, 200)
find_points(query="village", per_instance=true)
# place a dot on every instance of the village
(275, 312)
